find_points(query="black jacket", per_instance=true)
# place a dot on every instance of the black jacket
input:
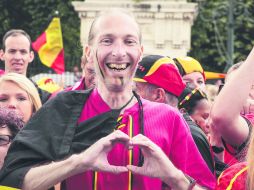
(201, 141)
(52, 134)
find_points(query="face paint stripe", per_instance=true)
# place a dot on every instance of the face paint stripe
(96, 54)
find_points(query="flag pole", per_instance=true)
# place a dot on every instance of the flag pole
(62, 80)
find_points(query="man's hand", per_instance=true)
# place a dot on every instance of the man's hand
(95, 157)
(248, 107)
(156, 163)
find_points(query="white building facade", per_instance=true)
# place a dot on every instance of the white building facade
(165, 24)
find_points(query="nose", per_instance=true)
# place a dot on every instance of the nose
(192, 85)
(119, 49)
(12, 104)
(196, 84)
(17, 55)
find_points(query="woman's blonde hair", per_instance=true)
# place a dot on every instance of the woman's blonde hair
(25, 84)
(250, 163)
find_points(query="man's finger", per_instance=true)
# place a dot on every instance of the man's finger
(116, 169)
(142, 143)
(136, 169)
(119, 135)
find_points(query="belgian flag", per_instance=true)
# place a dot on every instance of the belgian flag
(49, 46)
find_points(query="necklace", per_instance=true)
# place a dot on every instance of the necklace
(141, 125)
(121, 108)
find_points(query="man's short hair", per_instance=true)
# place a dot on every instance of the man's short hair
(16, 32)
(92, 33)
(171, 99)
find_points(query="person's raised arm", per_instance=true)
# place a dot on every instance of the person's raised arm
(225, 113)
(94, 158)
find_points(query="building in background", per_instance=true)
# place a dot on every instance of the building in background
(165, 24)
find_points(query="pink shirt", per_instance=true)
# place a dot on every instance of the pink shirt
(165, 127)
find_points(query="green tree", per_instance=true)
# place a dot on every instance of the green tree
(209, 32)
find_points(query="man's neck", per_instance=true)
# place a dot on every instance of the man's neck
(7, 71)
(116, 100)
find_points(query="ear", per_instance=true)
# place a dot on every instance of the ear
(141, 53)
(142, 49)
(2, 54)
(160, 95)
(31, 56)
(87, 51)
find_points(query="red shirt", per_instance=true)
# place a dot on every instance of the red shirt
(233, 178)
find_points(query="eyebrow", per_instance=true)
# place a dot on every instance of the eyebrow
(112, 35)
(17, 49)
(21, 93)
(106, 35)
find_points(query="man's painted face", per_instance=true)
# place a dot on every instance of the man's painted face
(17, 54)
(116, 50)
(195, 80)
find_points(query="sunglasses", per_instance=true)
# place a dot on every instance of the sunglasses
(5, 139)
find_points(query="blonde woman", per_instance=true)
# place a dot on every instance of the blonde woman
(19, 93)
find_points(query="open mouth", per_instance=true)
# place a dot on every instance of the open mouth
(17, 64)
(118, 67)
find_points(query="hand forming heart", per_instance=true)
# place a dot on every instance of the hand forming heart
(156, 163)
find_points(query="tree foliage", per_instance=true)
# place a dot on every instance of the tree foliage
(209, 32)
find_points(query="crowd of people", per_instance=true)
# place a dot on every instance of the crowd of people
(131, 122)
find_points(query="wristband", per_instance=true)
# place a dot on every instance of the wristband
(192, 182)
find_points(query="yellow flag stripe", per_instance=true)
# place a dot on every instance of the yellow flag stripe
(50, 50)
(7, 188)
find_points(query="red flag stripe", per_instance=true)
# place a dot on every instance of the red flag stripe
(59, 68)
(40, 41)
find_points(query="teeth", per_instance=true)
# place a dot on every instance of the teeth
(117, 66)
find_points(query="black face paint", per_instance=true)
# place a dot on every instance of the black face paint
(121, 78)
(122, 82)
(96, 54)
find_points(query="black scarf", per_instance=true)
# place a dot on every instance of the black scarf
(52, 134)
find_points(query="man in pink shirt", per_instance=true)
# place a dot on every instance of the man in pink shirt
(148, 145)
